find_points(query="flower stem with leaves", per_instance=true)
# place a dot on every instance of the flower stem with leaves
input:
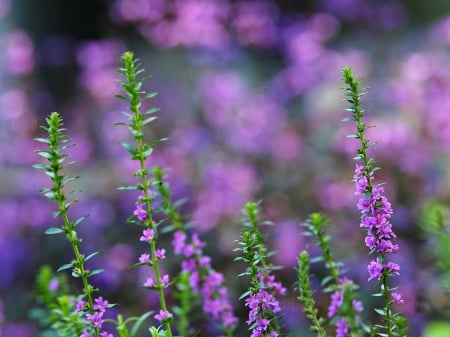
(140, 151)
(57, 143)
(375, 209)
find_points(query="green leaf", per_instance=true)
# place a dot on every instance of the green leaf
(139, 322)
(92, 255)
(80, 220)
(95, 272)
(65, 266)
(54, 230)
(130, 148)
(128, 187)
(380, 312)
(151, 95)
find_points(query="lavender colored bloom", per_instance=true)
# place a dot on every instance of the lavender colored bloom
(397, 298)
(95, 319)
(105, 334)
(337, 299)
(376, 212)
(85, 334)
(53, 285)
(341, 327)
(179, 242)
(375, 269)
(165, 280)
(393, 268)
(357, 306)
(147, 235)
(144, 258)
(80, 306)
(163, 315)
(149, 282)
(140, 212)
(100, 304)
(160, 254)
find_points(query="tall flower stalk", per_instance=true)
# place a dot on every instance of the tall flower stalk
(140, 151)
(261, 298)
(198, 279)
(58, 143)
(344, 309)
(375, 209)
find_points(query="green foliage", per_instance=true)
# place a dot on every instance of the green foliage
(306, 295)
(57, 314)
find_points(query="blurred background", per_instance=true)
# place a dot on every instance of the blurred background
(251, 101)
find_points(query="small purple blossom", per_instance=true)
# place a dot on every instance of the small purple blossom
(100, 304)
(160, 254)
(337, 299)
(149, 282)
(397, 298)
(140, 212)
(393, 268)
(144, 258)
(105, 334)
(95, 319)
(163, 315)
(357, 306)
(80, 305)
(375, 269)
(53, 285)
(147, 235)
(341, 327)
(165, 280)
(85, 334)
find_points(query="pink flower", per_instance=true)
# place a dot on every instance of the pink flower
(160, 254)
(100, 304)
(144, 258)
(147, 235)
(163, 315)
(140, 212)
(80, 306)
(397, 298)
(165, 280)
(375, 269)
(149, 282)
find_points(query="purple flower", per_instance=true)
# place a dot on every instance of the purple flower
(147, 235)
(80, 306)
(397, 298)
(100, 304)
(393, 268)
(95, 319)
(337, 299)
(140, 212)
(179, 242)
(163, 315)
(149, 282)
(53, 285)
(375, 269)
(105, 334)
(160, 254)
(165, 280)
(341, 327)
(144, 258)
(357, 306)
(85, 334)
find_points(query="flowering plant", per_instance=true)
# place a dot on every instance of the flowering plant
(196, 285)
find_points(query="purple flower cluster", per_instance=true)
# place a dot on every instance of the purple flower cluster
(95, 318)
(203, 279)
(376, 212)
(338, 308)
(259, 303)
(263, 302)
